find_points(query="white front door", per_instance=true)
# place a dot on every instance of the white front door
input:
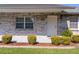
(51, 25)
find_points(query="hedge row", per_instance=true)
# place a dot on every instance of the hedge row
(56, 40)
(6, 39)
(60, 40)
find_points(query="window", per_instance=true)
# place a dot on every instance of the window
(24, 23)
(74, 24)
(28, 23)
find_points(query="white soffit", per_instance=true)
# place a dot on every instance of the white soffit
(32, 7)
(30, 10)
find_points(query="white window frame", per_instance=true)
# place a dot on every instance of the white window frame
(25, 22)
(73, 28)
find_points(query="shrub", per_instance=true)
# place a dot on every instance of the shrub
(66, 40)
(60, 40)
(56, 40)
(67, 33)
(31, 39)
(75, 38)
(6, 38)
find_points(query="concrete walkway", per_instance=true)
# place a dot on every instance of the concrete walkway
(49, 47)
(23, 39)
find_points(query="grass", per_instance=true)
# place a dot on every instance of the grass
(37, 51)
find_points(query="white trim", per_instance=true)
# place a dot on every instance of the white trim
(24, 22)
(78, 23)
(68, 23)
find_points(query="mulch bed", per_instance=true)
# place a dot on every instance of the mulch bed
(38, 44)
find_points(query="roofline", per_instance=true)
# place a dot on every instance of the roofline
(75, 13)
(61, 6)
(67, 7)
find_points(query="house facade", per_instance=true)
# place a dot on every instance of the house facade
(31, 19)
(44, 20)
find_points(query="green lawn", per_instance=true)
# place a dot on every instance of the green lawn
(37, 51)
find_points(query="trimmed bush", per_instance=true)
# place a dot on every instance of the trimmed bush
(75, 38)
(67, 33)
(31, 39)
(60, 40)
(56, 40)
(6, 38)
(66, 40)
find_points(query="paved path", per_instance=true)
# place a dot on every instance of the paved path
(53, 47)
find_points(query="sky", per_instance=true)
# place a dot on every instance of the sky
(77, 5)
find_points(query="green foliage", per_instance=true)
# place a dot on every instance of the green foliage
(56, 40)
(32, 39)
(67, 33)
(66, 40)
(75, 38)
(6, 38)
(60, 40)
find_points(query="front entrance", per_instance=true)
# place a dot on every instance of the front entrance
(52, 25)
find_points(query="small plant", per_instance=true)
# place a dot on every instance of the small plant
(67, 33)
(6, 38)
(75, 38)
(31, 39)
(56, 40)
(66, 40)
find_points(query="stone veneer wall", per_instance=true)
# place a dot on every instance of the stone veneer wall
(62, 23)
(8, 25)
